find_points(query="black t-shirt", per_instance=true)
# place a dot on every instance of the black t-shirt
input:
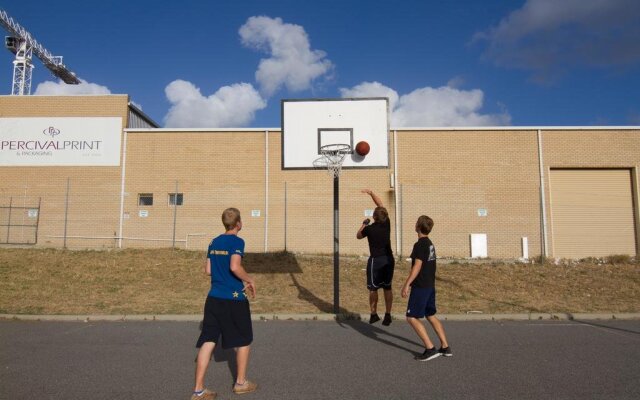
(378, 234)
(424, 250)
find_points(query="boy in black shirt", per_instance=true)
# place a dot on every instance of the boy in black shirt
(380, 264)
(422, 301)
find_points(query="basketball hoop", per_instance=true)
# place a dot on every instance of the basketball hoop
(333, 156)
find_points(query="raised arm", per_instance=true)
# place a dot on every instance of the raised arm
(374, 197)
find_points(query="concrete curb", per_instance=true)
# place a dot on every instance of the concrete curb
(327, 317)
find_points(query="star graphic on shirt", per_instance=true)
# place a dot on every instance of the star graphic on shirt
(235, 295)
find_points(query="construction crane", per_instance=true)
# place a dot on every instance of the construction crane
(23, 45)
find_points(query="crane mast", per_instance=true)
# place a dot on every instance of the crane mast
(24, 46)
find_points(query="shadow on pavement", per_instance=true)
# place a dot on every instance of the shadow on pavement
(381, 335)
(602, 325)
(353, 321)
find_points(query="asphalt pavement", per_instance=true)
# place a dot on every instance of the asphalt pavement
(324, 360)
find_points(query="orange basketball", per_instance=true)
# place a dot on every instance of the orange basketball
(362, 148)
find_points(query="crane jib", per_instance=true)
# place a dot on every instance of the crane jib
(22, 45)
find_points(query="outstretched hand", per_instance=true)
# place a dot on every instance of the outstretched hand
(367, 191)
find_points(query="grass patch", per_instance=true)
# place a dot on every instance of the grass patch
(166, 281)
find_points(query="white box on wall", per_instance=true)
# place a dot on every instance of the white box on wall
(478, 245)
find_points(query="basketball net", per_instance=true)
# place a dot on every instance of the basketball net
(334, 155)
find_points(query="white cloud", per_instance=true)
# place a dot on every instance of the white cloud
(292, 62)
(50, 88)
(371, 89)
(443, 106)
(547, 36)
(233, 105)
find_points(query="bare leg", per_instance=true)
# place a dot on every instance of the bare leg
(242, 359)
(373, 301)
(421, 331)
(202, 363)
(437, 326)
(388, 300)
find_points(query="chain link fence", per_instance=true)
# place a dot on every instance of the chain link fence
(293, 216)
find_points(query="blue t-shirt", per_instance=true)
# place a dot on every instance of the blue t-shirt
(224, 284)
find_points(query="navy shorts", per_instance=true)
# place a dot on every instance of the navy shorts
(380, 272)
(422, 302)
(230, 319)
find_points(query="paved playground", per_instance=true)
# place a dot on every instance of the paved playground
(324, 359)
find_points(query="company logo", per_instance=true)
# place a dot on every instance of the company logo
(51, 131)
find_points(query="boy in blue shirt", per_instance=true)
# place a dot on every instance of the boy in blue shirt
(226, 310)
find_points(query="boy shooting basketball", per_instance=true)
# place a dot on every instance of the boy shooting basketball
(380, 264)
(226, 311)
(422, 301)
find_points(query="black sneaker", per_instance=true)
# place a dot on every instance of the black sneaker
(445, 351)
(374, 318)
(387, 319)
(429, 354)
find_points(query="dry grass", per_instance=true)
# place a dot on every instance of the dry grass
(48, 281)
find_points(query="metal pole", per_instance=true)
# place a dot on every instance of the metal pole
(38, 219)
(175, 214)
(285, 217)
(336, 247)
(400, 222)
(66, 213)
(9, 221)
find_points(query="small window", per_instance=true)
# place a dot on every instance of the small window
(175, 199)
(145, 199)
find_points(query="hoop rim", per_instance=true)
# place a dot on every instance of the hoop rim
(335, 148)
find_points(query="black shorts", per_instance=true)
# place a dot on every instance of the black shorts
(380, 272)
(422, 302)
(230, 319)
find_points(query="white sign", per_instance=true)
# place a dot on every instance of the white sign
(368, 213)
(60, 141)
(143, 213)
(255, 213)
(33, 213)
(482, 212)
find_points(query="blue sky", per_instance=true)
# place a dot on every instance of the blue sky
(455, 63)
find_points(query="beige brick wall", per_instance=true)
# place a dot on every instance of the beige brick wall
(446, 174)
(449, 175)
(94, 192)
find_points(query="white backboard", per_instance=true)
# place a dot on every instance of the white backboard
(308, 124)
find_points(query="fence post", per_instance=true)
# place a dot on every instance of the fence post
(38, 219)
(66, 213)
(9, 221)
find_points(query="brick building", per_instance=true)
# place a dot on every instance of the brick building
(511, 191)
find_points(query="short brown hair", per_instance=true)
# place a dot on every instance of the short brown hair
(380, 214)
(230, 218)
(424, 225)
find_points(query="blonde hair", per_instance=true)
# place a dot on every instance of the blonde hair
(230, 218)
(424, 225)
